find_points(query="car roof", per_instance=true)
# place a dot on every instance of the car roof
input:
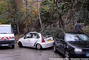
(75, 32)
(5, 24)
(33, 32)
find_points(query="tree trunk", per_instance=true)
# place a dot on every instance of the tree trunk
(15, 13)
(40, 20)
(18, 28)
(61, 22)
(40, 16)
(26, 13)
(88, 5)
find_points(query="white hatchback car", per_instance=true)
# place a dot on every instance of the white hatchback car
(36, 40)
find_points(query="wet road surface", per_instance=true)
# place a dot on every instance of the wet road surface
(27, 54)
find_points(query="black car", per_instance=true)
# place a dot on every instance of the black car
(72, 44)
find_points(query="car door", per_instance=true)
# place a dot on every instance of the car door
(27, 39)
(60, 42)
(34, 39)
(57, 42)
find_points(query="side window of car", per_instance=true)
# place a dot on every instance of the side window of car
(38, 36)
(35, 35)
(29, 35)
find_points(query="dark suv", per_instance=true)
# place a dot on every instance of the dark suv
(72, 44)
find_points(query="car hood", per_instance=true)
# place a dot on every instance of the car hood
(79, 44)
(6, 35)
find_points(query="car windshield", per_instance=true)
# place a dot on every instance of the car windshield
(5, 29)
(76, 37)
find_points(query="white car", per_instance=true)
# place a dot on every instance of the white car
(36, 40)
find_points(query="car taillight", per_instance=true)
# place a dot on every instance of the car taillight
(43, 40)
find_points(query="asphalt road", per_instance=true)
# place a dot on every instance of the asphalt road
(27, 54)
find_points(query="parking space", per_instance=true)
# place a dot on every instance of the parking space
(27, 54)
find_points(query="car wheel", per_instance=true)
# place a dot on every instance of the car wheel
(12, 46)
(67, 54)
(20, 44)
(54, 48)
(38, 46)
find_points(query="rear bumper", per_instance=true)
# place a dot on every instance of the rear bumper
(47, 44)
(7, 43)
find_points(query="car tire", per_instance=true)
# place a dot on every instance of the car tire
(20, 44)
(12, 46)
(54, 48)
(67, 54)
(38, 47)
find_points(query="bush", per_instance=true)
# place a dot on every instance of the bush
(86, 30)
(52, 31)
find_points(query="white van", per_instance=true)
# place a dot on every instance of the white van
(7, 37)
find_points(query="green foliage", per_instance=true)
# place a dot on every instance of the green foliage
(71, 9)
(50, 12)
(3, 11)
(52, 9)
(7, 12)
(51, 31)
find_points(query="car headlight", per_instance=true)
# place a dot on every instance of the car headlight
(78, 50)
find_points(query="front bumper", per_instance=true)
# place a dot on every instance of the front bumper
(47, 44)
(80, 55)
(7, 43)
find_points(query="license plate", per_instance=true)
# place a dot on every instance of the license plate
(4, 44)
(87, 54)
(49, 40)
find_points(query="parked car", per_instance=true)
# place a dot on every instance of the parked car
(7, 37)
(35, 40)
(72, 44)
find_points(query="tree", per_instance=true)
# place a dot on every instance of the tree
(52, 8)
(4, 11)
